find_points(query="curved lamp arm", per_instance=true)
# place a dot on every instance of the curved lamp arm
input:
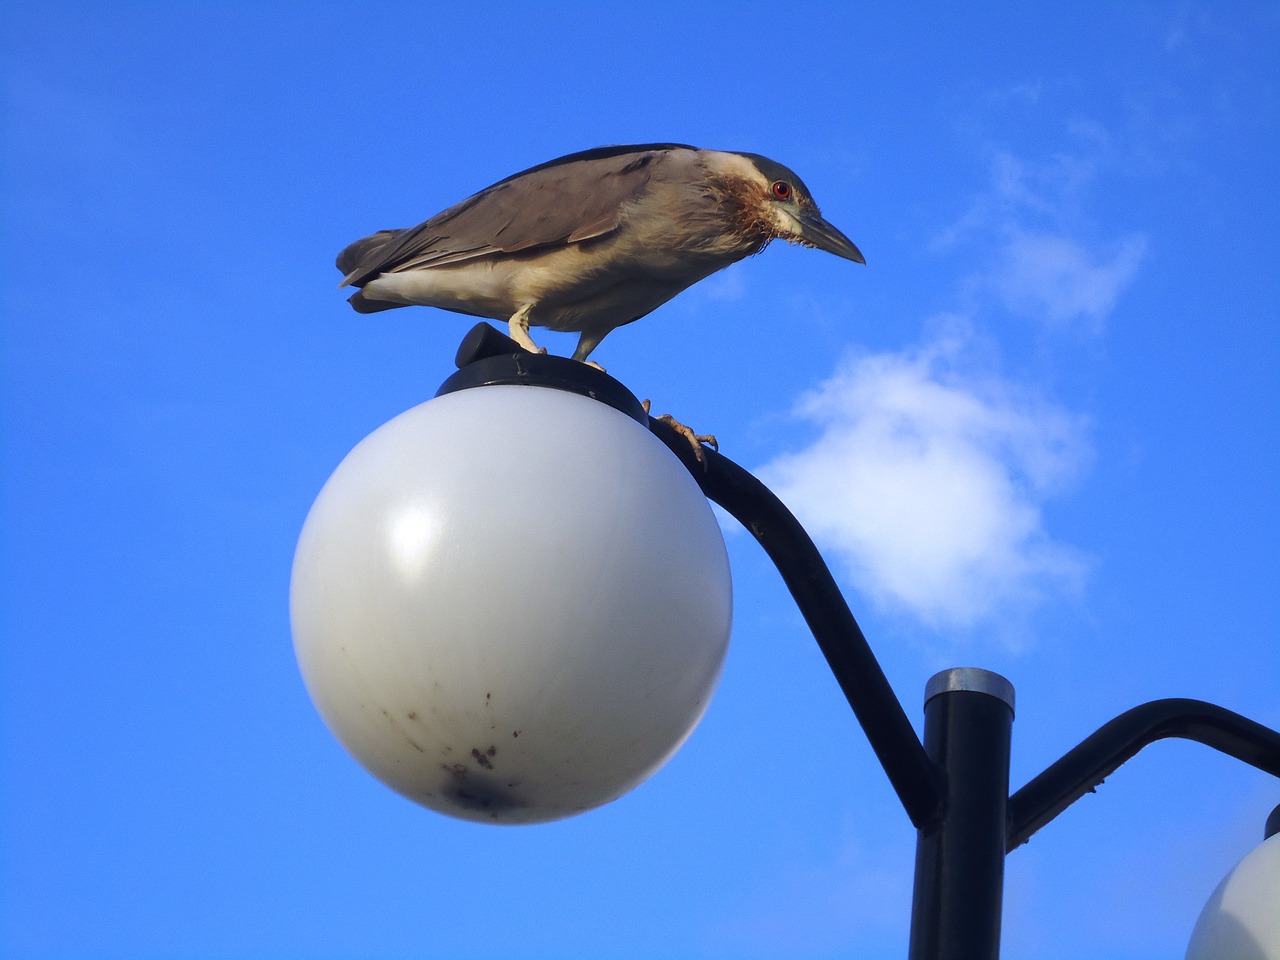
(1085, 766)
(894, 740)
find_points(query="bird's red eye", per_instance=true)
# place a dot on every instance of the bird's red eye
(781, 189)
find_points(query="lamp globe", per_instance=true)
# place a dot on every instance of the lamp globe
(511, 603)
(1241, 921)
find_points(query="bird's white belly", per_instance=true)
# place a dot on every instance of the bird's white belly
(474, 287)
(573, 288)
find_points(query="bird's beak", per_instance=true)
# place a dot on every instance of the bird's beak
(816, 232)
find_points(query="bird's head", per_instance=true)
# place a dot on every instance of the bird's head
(776, 203)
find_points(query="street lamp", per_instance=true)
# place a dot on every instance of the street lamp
(512, 602)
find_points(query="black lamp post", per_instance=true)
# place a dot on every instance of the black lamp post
(954, 786)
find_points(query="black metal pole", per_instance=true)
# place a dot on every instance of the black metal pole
(959, 884)
(867, 689)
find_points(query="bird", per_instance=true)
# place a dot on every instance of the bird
(590, 241)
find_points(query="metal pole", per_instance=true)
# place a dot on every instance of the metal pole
(959, 884)
(819, 600)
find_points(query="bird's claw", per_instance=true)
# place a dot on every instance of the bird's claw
(696, 440)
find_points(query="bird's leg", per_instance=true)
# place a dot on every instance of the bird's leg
(696, 440)
(519, 327)
(588, 341)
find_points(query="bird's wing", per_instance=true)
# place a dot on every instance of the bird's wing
(565, 201)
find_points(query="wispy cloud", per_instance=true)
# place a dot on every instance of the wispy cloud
(928, 484)
(1059, 280)
(1033, 257)
(854, 895)
(727, 286)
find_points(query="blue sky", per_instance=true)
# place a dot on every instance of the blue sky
(1037, 433)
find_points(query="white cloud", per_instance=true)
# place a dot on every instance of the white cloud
(1022, 230)
(928, 485)
(724, 286)
(1059, 280)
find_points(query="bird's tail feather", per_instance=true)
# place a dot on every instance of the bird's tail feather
(354, 254)
(362, 304)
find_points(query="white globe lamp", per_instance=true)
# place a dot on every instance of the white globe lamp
(511, 603)
(1241, 921)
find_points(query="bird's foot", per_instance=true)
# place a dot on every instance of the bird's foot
(528, 346)
(592, 363)
(696, 440)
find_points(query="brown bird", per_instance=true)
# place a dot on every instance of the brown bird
(591, 241)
